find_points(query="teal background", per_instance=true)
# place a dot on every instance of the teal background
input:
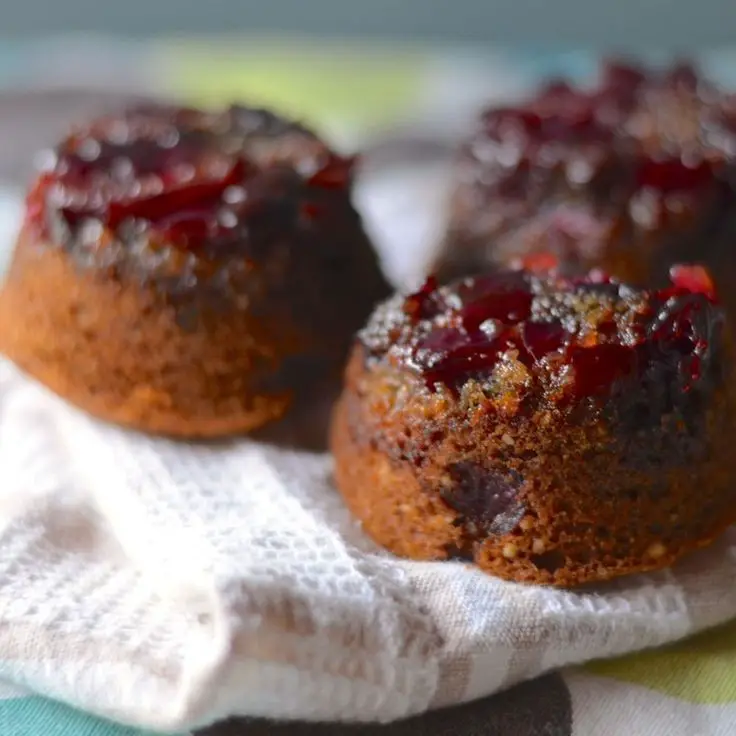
(627, 24)
(35, 716)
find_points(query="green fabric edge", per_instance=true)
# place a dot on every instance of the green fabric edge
(360, 86)
(701, 669)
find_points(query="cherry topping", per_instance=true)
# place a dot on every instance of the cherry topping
(184, 177)
(562, 113)
(487, 312)
(556, 90)
(507, 299)
(542, 338)
(186, 203)
(597, 367)
(423, 303)
(671, 175)
(585, 334)
(589, 129)
(574, 121)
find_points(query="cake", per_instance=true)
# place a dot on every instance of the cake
(188, 272)
(632, 175)
(546, 429)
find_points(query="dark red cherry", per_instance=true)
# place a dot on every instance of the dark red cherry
(185, 177)
(550, 121)
(672, 175)
(195, 196)
(423, 303)
(598, 367)
(152, 166)
(463, 330)
(486, 497)
(543, 338)
(465, 358)
(508, 306)
(480, 324)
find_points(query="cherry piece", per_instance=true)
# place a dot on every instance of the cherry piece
(542, 338)
(672, 175)
(422, 304)
(562, 123)
(510, 304)
(487, 312)
(597, 367)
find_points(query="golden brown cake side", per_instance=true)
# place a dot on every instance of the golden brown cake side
(529, 481)
(118, 350)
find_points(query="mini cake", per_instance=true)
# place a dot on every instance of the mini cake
(631, 176)
(188, 272)
(547, 430)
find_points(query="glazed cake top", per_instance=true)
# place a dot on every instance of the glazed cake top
(570, 338)
(202, 182)
(664, 132)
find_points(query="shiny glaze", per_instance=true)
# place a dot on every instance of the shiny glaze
(583, 335)
(201, 182)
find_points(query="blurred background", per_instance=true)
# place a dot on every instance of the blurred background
(357, 67)
(398, 79)
(647, 22)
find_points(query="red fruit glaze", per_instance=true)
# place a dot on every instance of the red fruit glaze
(542, 338)
(672, 175)
(184, 177)
(423, 303)
(598, 367)
(582, 121)
(504, 297)
(591, 332)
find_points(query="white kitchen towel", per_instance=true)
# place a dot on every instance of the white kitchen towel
(168, 585)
